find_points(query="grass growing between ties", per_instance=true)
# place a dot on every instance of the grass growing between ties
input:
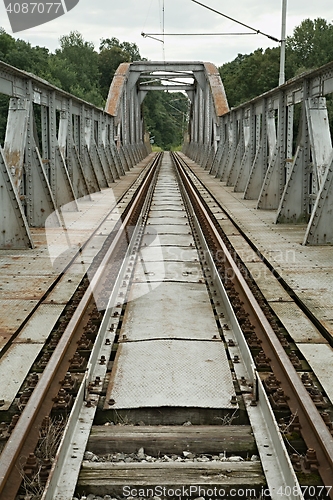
(35, 469)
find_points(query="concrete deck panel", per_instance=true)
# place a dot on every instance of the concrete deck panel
(172, 329)
(180, 374)
(307, 270)
(26, 276)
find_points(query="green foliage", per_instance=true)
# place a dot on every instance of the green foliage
(311, 45)
(112, 54)
(165, 117)
(252, 74)
(20, 54)
(75, 66)
(81, 70)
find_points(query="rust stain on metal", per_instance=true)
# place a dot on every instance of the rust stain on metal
(116, 89)
(217, 88)
(14, 161)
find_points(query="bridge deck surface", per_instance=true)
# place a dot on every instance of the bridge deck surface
(26, 275)
(162, 326)
(308, 270)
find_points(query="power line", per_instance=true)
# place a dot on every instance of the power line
(258, 32)
(150, 35)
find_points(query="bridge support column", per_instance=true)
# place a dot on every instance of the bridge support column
(14, 229)
(274, 182)
(40, 202)
(266, 140)
(320, 227)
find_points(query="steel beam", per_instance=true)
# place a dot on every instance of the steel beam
(14, 229)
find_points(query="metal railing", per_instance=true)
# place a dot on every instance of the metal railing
(57, 148)
(277, 150)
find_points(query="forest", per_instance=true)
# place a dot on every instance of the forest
(77, 67)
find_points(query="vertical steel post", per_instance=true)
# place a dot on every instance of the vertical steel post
(283, 43)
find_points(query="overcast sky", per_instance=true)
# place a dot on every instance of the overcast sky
(126, 19)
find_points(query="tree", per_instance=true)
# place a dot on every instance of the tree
(112, 54)
(165, 117)
(130, 48)
(20, 54)
(75, 68)
(311, 45)
(250, 75)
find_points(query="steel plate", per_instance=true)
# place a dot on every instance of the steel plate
(13, 312)
(171, 212)
(297, 324)
(171, 310)
(320, 358)
(169, 229)
(179, 374)
(168, 271)
(40, 324)
(175, 253)
(170, 220)
(14, 368)
(21, 287)
(268, 284)
(66, 287)
(166, 204)
(181, 240)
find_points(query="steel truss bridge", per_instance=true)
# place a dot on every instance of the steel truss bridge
(276, 148)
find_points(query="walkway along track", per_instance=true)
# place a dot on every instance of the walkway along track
(314, 431)
(244, 306)
(253, 405)
(131, 398)
(25, 435)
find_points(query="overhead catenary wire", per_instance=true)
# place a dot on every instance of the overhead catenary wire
(144, 25)
(258, 32)
(150, 35)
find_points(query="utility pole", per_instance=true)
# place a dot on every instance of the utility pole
(283, 43)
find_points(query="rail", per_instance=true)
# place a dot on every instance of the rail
(314, 430)
(25, 434)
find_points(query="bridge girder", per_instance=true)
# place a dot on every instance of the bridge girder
(57, 149)
(205, 91)
(260, 155)
(80, 148)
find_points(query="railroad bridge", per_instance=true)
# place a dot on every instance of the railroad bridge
(254, 148)
(135, 280)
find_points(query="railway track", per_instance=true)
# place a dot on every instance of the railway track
(172, 330)
(60, 357)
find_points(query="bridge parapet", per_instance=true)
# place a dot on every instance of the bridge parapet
(57, 149)
(277, 150)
